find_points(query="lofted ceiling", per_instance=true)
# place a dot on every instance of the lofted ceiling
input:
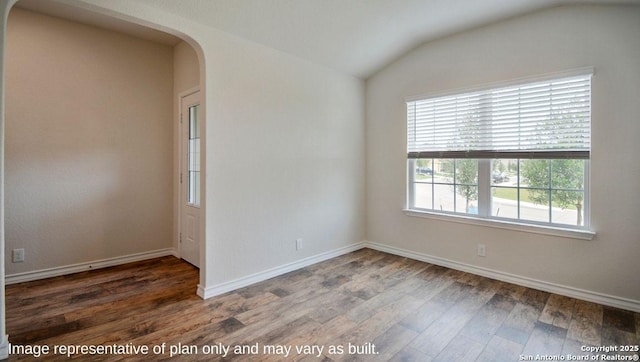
(357, 37)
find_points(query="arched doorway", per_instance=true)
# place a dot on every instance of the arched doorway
(185, 44)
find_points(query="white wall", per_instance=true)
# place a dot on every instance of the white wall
(5, 7)
(88, 143)
(284, 150)
(554, 40)
(285, 158)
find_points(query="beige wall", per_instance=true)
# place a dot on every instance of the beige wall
(89, 143)
(186, 68)
(558, 39)
(284, 153)
(5, 6)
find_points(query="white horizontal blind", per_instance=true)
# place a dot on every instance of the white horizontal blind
(546, 119)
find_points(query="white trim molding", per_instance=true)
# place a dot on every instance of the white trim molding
(208, 292)
(80, 267)
(4, 347)
(604, 299)
(505, 224)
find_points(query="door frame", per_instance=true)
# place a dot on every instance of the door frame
(179, 200)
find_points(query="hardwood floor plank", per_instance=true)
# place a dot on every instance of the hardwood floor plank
(270, 312)
(377, 324)
(513, 291)
(546, 339)
(460, 349)
(338, 304)
(439, 334)
(370, 307)
(433, 286)
(586, 326)
(558, 311)
(325, 334)
(616, 337)
(488, 320)
(392, 341)
(573, 347)
(535, 298)
(501, 349)
(410, 311)
(519, 324)
(618, 319)
(410, 355)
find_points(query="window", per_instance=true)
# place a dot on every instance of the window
(516, 153)
(193, 162)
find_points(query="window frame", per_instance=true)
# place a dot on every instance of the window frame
(484, 183)
(193, 156)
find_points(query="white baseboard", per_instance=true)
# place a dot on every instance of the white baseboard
(4, 347)
(609, 300)
(208, 292)
(222, 288)
(75, 268)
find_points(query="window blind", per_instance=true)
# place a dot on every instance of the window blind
(544, 119)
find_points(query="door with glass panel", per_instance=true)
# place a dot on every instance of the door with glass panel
(190, 172)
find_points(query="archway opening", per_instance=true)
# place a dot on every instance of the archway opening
(92, 147)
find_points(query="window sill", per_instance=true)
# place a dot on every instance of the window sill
(501, 224)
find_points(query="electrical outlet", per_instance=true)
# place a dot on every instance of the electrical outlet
(298, 244)
(482, 250)
(17, 256)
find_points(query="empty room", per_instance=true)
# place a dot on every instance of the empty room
(379, 180)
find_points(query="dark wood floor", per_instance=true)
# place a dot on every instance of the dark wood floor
(408, 310)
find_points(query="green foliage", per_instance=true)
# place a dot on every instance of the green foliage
(423, 162)
(467, 179)
(558, 177)
(446, 166)
(535, 173)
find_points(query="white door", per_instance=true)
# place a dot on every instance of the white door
(190, 195)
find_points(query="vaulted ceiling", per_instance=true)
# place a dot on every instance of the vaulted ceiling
(357, 37)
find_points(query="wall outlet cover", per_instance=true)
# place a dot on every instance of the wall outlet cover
(17, 255)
